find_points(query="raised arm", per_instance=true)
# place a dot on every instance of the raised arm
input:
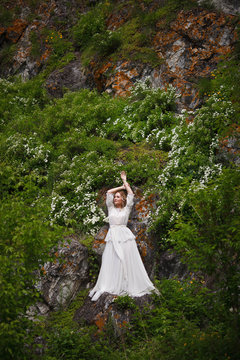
(112, 191)
(125, 183)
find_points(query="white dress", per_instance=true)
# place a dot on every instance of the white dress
(122, 271)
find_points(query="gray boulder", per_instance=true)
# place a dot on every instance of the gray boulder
(71, 77)
(62, 279)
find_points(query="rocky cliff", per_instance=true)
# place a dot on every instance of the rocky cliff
(178, 49)
(186, 47)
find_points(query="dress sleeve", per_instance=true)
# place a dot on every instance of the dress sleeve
(130, 200)
(109, 200)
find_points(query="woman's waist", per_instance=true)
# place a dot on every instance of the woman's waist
(117, 225)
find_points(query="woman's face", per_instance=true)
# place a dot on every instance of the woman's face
(118, 200)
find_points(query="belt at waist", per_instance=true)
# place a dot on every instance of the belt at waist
(116, 225)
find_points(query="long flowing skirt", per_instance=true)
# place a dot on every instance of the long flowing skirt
(122, 271)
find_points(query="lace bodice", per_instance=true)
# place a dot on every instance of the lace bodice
(119, 216)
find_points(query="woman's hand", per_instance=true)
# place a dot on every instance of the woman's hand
(125, 183)
(123, 176)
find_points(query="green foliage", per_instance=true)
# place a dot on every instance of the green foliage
(65, 338)
(193, 160)
(204, 87)
(70, 344)
(6, 16)
(89, 24)
(84, 110)
(26, 239)
(134, 42)
(208, 237)
(237, 44)
(59, 156)
(225, 79)
(224, 82)
(58, 44)
(92, 36)
(20, 100)
(106, 43)
(36, 44)
(142, 163)
(64, 317)
(185, 322)
(131, 40)
(87, 241)
(167, 12)
(147, 109)
(6, 53)
(124, 303)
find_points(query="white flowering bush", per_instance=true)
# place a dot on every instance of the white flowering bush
(20, 98)
(29, 150)
(74, 196)
(192, 160)
(75, 149)
(147, 109)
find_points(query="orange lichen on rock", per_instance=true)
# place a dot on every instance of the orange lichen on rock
(2, 30)
(101, 320)
(121, 83)
(45, 55)
(97, 243)
(15, 31)
(100, 73)
(191, 49)
(100, 238)
(143, 250)
(21, 55)
(115, 20)
(117, 78)
(226, 143)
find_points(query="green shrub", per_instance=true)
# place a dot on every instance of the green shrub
(6, 53)
(147, 109)
(6, 16)
(193, 160)
(208, 238)
(19, 102)
(125, 303)
(58, 44)
(89, 24)
(106, 43)
(26, 239)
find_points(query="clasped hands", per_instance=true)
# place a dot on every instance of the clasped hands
(124, 178)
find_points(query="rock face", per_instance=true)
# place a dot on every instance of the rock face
(169, 265)
(61, 280)
(190, 50)
(227, 6)
(104, 311)
(230, 147)
(15, 31)
(64, 278)
(72, 77)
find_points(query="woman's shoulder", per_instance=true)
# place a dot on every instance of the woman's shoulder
(130, 199)
(109, 199)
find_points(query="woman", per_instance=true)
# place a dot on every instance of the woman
(122, 271)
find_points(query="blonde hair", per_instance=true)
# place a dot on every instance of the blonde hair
(123, 194)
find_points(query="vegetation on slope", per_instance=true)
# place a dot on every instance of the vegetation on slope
(56, 155)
